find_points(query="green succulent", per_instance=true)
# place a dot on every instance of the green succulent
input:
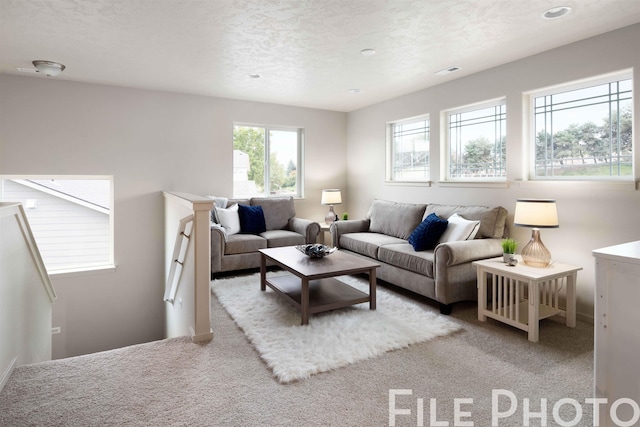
(509, 246)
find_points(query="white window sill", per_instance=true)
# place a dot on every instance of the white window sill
(474, 184)
(586, 185)
(409, 183)
(86, 271)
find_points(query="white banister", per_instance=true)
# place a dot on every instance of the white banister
(17, 211)
(26, 295)
(187, 266)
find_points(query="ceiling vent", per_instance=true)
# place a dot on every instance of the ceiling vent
(447, 71)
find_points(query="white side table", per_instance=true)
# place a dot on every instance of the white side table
(522, 295)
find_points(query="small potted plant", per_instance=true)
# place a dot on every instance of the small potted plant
(508, 249)
(345, 216)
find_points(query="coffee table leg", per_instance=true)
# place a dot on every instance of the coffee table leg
(372, 289)
(263, 272)
(304, 300)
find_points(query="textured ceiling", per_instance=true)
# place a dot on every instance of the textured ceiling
(307, 51)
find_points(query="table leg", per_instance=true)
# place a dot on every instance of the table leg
(482, 294)
(263, 272)
(372, 289)
(571, 300)
(534, 312)
(304, 301)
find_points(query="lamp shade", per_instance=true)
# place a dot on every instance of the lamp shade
(331, 197)
(538, 213)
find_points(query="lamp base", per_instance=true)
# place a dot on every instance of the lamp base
(331, 216)
(535, 253)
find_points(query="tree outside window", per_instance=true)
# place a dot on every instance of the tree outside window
(585, 132)
(477, 143)
(266, 161)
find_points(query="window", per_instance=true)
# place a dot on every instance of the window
(584, 131)
(477, 138)
(267, 161)
(70, 218)
(408, 150)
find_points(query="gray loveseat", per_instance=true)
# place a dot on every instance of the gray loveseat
(444, 273)
(232, 251)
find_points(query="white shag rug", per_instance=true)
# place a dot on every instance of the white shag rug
(331, 340)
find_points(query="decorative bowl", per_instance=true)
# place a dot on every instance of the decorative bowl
(316, 250)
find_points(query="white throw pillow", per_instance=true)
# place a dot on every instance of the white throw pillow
(459, 228)
(229, 219)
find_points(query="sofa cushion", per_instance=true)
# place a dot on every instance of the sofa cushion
(231, 202)
(251, 219)
(277, 211)
(279, 238)
(493, 223)
(402, 255)
(367, 243)
(244, 243)
(229, 219)
(459, 228)
(492, 220)
(394, 219)
(427, 233)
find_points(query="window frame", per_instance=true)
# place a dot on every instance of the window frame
(446, 150)
(564, 88)
(390, 150)
(107, 266)
(267, 164)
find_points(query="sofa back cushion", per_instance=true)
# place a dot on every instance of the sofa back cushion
(277, 211)
(492, 220)
(394, 219)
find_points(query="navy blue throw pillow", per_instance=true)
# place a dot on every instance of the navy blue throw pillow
(251, 219)
(426, 235)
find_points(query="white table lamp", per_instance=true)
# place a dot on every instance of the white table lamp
(331, 197)
(536, 213)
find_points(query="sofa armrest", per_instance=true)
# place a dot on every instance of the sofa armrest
(309, 229)
(454, 275)
(454, 253)
(217, 248)
(339, 228)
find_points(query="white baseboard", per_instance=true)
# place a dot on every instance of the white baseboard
(584, 318)
(7, 373)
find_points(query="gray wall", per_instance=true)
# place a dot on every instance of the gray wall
(592, 215)
(150, 142)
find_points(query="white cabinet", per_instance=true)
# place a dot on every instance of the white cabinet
(617, 332)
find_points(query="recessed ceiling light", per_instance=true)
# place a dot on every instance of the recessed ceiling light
(254, 76)
(355, 90)
(556, 12)
(368, 52)
(447, 71)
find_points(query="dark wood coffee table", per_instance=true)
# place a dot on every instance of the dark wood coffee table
(312, 287)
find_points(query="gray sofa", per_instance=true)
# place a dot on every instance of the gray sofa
(445, 273)
(238, 251)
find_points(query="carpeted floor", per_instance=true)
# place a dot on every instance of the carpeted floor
(225, 383)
